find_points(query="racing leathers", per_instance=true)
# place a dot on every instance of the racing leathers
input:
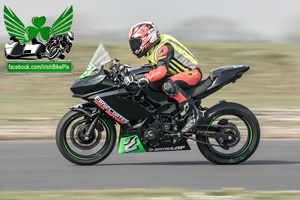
(176, 61)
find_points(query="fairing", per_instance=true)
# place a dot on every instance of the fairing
(91, 79)
(100, 58)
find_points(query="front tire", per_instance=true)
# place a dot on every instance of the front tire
(72, 144)
(247, 134)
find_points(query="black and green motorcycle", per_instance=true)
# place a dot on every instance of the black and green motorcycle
(150, 121)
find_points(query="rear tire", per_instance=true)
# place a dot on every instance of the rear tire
(250, 129)
(72, 145)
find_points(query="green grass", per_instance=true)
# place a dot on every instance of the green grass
(142, 194)
(272, 82)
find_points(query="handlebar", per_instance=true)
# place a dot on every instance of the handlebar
(118, 69)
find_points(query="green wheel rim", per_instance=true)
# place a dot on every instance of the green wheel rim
(248, 145)
(80, 158)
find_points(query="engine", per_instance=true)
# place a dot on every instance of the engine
(163, 129)
(152, 136)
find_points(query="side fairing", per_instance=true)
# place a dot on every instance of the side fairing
(132, 144)
(117, 105)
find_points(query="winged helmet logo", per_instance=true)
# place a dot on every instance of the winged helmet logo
(15, 26)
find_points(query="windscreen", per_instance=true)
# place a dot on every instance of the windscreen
(100, 58)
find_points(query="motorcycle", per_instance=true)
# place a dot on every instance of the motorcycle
(149, 120)
(55, 50)
(14, 49)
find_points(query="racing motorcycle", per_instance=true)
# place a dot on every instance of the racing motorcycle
(150, 121)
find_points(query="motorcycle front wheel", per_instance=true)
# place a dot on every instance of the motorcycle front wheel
(76, 147)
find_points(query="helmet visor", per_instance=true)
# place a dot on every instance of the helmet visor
(135, 45)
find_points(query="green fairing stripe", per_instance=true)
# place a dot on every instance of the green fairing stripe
(133, 145)
(88, 73)
(80, 157)
(248, 143)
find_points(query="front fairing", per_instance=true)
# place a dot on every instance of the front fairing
(99, 60)
(91, 80)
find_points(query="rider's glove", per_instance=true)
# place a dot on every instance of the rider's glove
(129, 79)
(142, 80)
(139, 79)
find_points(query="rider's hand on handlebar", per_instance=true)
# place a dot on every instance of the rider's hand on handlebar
(142, 80)
(129, 80)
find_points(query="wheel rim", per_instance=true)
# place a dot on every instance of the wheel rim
(89, 149)
(244, 136)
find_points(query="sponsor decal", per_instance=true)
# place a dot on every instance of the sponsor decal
(77, 106)
(177, 148)
(189, 74)
(111, 112)
(131, 144)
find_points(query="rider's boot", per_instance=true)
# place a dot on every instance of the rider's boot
(62, 56)
(193, 118)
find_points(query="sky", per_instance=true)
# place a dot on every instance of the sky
(269, 20)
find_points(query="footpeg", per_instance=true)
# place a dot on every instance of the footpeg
(188, 134)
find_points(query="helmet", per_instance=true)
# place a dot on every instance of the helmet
(142, 37)
(70, 36)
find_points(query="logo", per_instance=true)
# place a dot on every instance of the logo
(57, 40)
(177, 148)
(160, 51)
(15, 26)
(189, 74)
(111, 112)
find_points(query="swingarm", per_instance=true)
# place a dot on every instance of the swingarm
(225, 135)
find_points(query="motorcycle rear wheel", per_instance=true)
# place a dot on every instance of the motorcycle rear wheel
(76, 148)
(246, 131)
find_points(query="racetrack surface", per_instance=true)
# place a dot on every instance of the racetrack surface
(38, 165)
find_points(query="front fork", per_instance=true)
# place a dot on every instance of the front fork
(92, 126)
(92, 116)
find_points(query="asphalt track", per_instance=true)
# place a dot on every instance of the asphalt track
(37, 165)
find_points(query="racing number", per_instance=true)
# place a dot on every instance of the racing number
(129, 145)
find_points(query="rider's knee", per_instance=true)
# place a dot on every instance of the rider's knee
(169, 87)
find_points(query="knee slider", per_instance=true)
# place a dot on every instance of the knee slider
(170, 87)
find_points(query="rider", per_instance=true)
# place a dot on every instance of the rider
(62, 42)
(171, 58)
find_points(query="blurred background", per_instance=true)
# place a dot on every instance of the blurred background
(193, 20)
(264, 34)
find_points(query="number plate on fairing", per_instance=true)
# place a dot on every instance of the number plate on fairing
(132, 144)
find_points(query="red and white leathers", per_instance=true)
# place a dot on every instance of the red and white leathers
(174, 85)
(175, 60)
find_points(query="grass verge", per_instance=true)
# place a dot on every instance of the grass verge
(134, 194)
